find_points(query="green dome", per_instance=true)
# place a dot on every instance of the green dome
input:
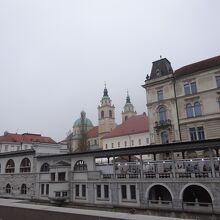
(78, 122)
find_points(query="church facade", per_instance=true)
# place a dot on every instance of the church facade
(133, 131)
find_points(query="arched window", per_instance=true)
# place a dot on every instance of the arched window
(189, 110)
(162, 114)
(23, 189)
(110, 113)
(197, 109)
(45, 167)
(102, 114)
(8, 188)
(80, 165)
(25, 166)
(126, 117)
(164, 137)
(10, 166)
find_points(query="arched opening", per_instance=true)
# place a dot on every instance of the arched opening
(10, 166)
(162, 114)
(23, 189)
(126, 117)
(159, 193)
(80, 165)
(25, 166)
(8, 188)
(102, 114)
(45, 168)
(110, 113)
(195, 194)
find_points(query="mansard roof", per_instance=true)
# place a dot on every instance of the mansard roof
(93, 133)
(26, 137)
(198, 66)
(133, 125)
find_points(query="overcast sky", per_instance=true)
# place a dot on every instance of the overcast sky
(55, 55)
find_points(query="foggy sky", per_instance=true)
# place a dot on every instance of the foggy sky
(56, 55)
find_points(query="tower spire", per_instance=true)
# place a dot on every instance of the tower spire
(105, 91)
(128, 98)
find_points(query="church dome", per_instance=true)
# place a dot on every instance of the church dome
(87, 122)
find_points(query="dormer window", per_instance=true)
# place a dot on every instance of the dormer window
(158, 73)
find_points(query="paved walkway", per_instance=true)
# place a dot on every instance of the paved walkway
(115, 215)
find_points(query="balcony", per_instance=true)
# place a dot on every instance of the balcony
(163, 124)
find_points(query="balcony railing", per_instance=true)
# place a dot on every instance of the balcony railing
(198, 168)
(162, 124)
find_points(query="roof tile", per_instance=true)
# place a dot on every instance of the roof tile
(134, 125)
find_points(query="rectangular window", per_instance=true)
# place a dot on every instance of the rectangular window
(106, 191)
(132, 142)
(125, 143)
(190, 88)
(106, 146)
(118, 144)
(218, 81)
(139, 141)
(57, 194)
(52, 177)
(42, 189)
(98, 191)
(201, 134)
(193, 87)
(192, 132)
(147, 140)
(47, 189)
(160, 95)
(6, 147)
(61, 176)
(187, 89)
(133, 191)
(83, 190)
(112, 145)
(64, 194)
(123, 192)
(95, 142)
(77, 190)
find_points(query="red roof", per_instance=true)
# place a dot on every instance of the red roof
(133, 125)
(199, 66)
(26, 137)
(93, 133)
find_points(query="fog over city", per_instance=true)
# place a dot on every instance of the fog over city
(56, 55)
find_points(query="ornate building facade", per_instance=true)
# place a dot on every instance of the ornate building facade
(183, 105)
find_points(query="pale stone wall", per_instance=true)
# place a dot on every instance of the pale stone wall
(141, 139)
(207, 95)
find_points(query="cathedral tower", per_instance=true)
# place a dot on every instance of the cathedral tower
(128, 109)
(106, 115)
